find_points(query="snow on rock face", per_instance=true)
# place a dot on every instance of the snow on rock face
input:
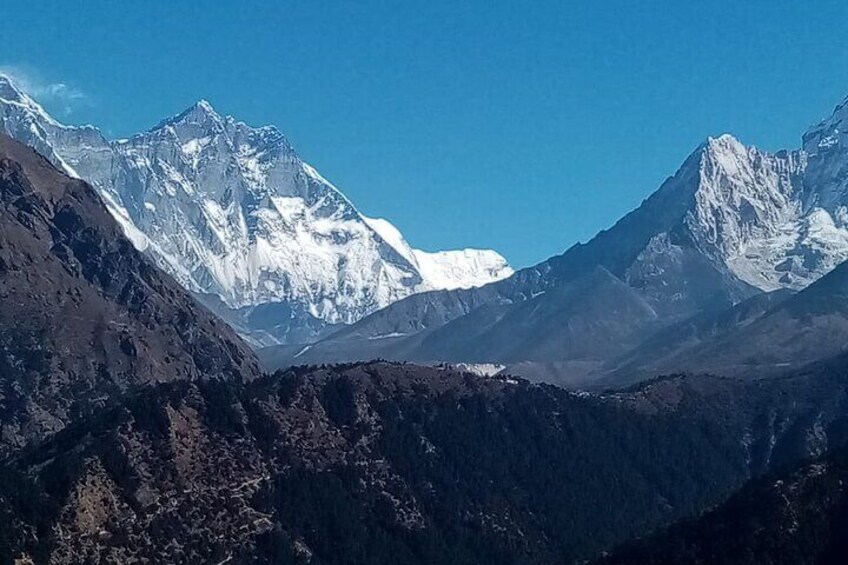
(772, 220)
(746, 202)
(463, 268)
(826, 144)
(448, 270)
(744, 194)
(232, 211)
(786, 218)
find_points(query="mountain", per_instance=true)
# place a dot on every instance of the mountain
(502, 332)
(390, 463)
(671, 349)
(732, 223)
(136, 426)
(792, 518)
(83, 315)
(237, 217)
(777, 332)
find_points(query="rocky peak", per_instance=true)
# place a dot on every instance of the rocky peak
(743, 194)
(8, 90)
(200, 114)
(829, 134)
(232, 211)
(826, 144)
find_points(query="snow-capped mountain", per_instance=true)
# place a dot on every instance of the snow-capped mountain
(231, 211)
(732, 222)
(448, 270)
(777, 220)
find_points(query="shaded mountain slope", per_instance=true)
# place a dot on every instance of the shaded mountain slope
(583, 319)
(792, 518)
(665, 251)
(769, 334)
(83, 316)
(668, 349)
(732, 222)
(382, 463)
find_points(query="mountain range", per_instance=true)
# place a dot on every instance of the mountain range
(733, 224)
(261, 239)
(136, 426)
(240, 220)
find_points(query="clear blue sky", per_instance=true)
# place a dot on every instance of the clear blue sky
(521, 126)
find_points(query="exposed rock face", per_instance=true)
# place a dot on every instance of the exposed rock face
(774, 333)
(232, 212)
(83, 315)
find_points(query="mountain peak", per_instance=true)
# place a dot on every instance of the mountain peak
(200, 113)
(203, 106)
(725, 142)
(231, 211)
(11, 92)
(8, 89)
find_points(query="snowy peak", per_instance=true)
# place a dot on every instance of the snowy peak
(464, 268)
(743, 194)
(446, 270)
(24, 119)
(774, 220)
(232, 211)
(725, 143)
(8, 91)
(201, 112)
(15, 100)
(826, 144)
(204, 108)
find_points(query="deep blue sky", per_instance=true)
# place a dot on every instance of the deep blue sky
(521, 126)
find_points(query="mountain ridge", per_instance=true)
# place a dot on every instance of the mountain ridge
(394, 463)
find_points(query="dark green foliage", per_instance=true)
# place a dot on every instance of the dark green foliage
(397, 464)
(337, 399)
(577, 475)
(792, 518)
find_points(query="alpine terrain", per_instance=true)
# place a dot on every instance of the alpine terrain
(83, 316)
(236, 217)
(732, 223)
(135, 426)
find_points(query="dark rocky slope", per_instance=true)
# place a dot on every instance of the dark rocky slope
(383, 463)
(792, 518)
(83, 315)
